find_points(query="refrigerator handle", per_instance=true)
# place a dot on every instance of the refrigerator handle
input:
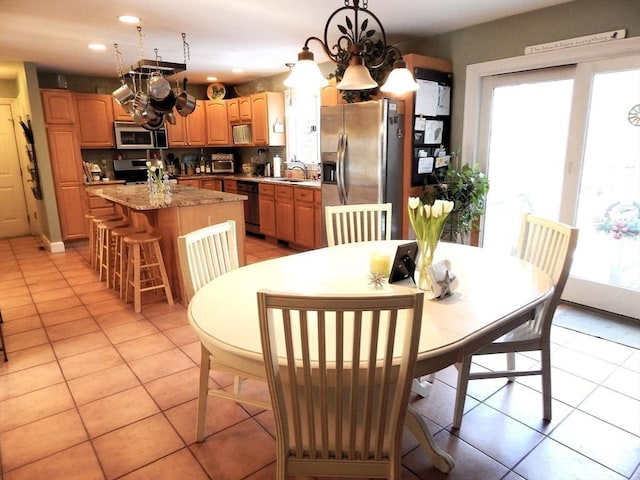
(340, 168)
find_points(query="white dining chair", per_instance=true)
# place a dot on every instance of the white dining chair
(204, 255)
(357, 223)
(550, 246)
(339, 370)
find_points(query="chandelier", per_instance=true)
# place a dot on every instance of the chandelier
(361, 47)
(152, 100)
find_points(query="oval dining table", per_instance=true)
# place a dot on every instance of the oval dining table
(492, 294)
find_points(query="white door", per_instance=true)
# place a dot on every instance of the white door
(14, 221)
(558, 144)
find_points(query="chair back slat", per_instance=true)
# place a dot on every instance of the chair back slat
(550, 246)
(339, 370)
(357, 223)
(207, 253)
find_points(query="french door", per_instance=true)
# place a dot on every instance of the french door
(559, 142)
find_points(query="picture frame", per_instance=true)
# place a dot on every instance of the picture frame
(404, 262)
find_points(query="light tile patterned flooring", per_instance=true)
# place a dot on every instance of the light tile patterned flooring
(93, 390)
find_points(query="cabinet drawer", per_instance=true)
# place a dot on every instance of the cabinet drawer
(303, 194)
(231, 186)
(98, 202)
(317, 196)
(283, 191)
(265, 189)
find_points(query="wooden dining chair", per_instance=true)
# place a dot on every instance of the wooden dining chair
(339, 370)
(204, 255)
(357, 223)
(548, 245)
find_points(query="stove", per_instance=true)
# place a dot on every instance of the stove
(132, 170)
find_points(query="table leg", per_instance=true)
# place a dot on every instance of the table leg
(440, 459)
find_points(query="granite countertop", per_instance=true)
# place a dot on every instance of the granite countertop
(136, 197)
(102, 183)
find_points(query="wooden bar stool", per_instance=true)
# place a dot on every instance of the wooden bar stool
(106, 251)
(3, 348)
(120, 256)
(94, 246)
(145, 268)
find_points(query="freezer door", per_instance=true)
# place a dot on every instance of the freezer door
(364, 160)
(331, 127)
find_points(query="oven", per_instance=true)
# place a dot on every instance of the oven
(251, 206)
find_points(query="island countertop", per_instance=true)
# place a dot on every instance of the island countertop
(136, 197)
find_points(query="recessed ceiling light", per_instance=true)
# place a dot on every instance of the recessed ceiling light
(212, 79)
(128, 19)
(97, 47)
(237, 70)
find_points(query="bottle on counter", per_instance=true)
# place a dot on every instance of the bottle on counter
(277, 166)
(202, 162)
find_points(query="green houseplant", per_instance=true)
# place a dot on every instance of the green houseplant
(467, 187)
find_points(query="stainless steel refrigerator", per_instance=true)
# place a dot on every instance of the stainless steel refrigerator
(361, 152)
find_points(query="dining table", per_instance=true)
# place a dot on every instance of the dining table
(492, 294)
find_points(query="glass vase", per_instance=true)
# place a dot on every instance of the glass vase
(425, 259)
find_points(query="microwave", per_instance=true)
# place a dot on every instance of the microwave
(130, 136)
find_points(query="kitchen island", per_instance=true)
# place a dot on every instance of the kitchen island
(189, 209)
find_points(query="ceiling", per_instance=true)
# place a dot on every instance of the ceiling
(260, 36)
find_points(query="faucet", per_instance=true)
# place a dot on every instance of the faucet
(297, 164)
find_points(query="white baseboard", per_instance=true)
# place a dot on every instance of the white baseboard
(53, 247)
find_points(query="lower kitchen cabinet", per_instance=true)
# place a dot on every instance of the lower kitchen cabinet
(304, 217)
(317, 218)
(189, 182)
(285, 227)
(211, 184)
(267, 210)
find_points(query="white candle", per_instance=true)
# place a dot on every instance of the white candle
(380, 263)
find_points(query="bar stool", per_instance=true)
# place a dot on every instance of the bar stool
(94, 245)
(145, 268)
(3, 349)
(106, 248)
(120, 256)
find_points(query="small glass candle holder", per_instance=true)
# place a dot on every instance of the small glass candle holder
(380, 263)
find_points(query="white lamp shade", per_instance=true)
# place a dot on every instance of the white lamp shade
(305, 74)
(399, 81)
(356, 77)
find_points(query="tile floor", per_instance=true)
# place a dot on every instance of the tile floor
(93, 390)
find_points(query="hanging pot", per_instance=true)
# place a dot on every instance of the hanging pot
(124, 96)
(169, 117)
(164, 105)
(185, 103)
(159, 87)
(155, 119)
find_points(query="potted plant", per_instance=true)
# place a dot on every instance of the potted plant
(467, 187)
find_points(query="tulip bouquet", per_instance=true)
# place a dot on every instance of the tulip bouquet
(428, 222)
(158, 183)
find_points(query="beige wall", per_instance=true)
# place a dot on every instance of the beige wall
(508, 38)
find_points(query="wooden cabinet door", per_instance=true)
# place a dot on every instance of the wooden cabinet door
(317, 218)
(267, 210)
(217, 123)
(177, 134)
(259, 122)
(233, 109)
(231, 186)
(119, 114)
(211, 184)
(284, 213)
(66, 162)
(244, 107)
(95, 120)
(304, 223)
(196, 126)
(58, 107)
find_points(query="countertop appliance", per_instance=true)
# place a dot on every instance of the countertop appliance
(130, 136)
(361, 151)
(222, 163)
(132, 170)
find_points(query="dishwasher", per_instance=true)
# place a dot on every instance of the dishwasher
(251, 206)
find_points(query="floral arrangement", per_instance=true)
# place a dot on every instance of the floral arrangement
(158, 184)
(620, 220)
(428, 222)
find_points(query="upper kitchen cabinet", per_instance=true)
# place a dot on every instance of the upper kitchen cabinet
(267, 118)
(189, 131)
(217, 122)
(239, 110)
(58, 107)
(119, 113)
(95, 120)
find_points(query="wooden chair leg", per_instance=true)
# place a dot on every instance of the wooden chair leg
(461, 392)
(203, 392)
(511, 364)
(545, 355)
(3, 347)
(163, 272)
